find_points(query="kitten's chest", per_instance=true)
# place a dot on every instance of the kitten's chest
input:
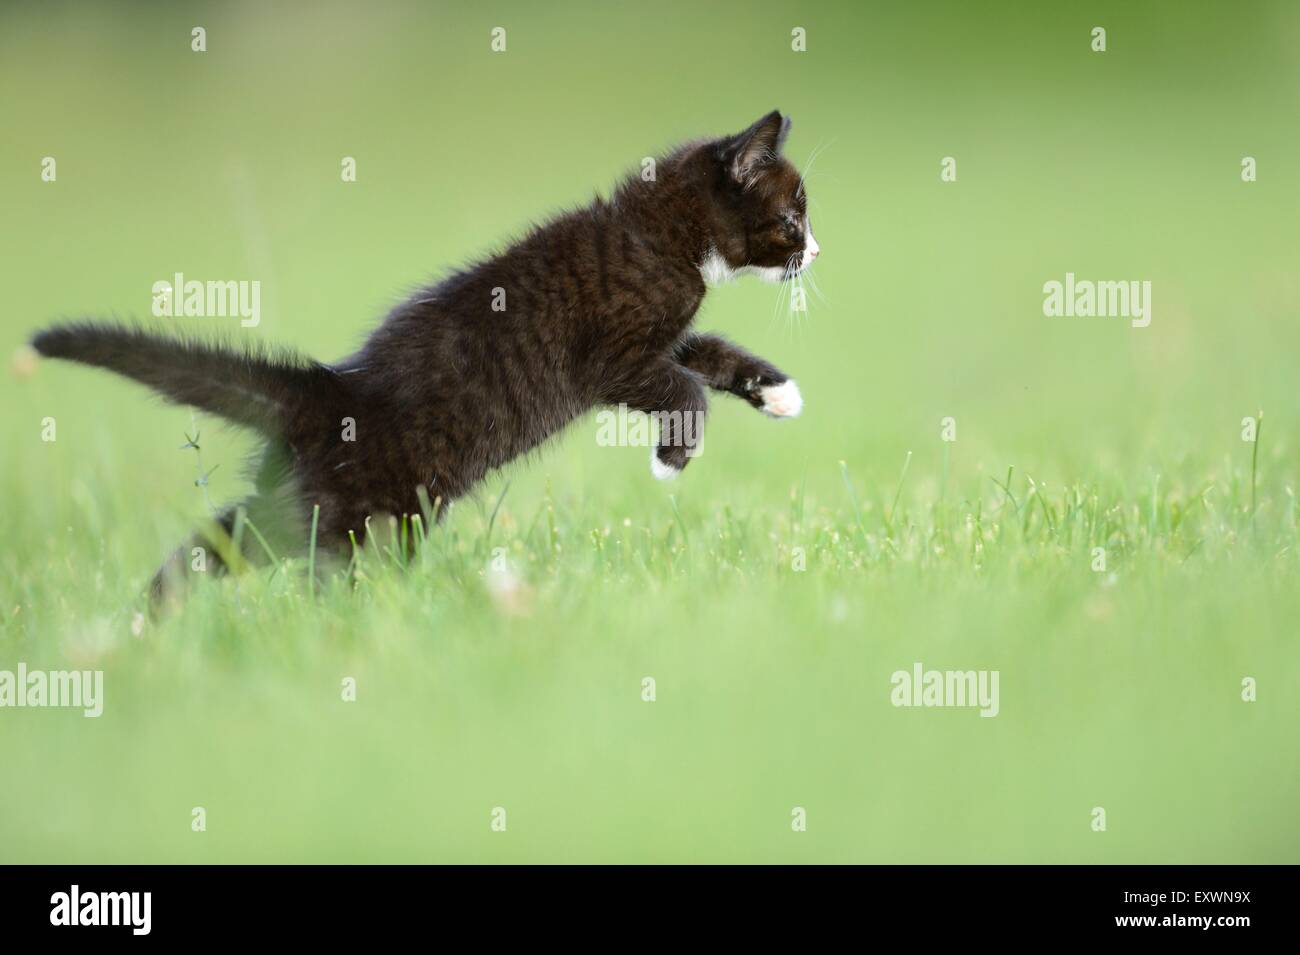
(626, 343)
(655, 307)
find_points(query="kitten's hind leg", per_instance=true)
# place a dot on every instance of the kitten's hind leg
(182, 567)
(674, 397)
(227, 543)
(727, 367)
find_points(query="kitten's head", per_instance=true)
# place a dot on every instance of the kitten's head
(758, 207)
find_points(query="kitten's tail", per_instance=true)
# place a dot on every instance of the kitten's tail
(269, 392)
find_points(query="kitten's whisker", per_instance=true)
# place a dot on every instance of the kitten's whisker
(807, 171)
(812, 281)
(798, 315)
(796, 282)
(776, 306)
(781, 296)
(831, 176)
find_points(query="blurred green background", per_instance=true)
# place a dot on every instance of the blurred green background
(1119, 690)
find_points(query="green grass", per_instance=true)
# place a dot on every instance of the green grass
(1119, 688)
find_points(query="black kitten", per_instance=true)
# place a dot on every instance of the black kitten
(593, 308)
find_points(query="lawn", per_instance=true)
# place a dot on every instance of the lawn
(1075, 503)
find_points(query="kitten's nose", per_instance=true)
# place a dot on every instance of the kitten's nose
(815, 251)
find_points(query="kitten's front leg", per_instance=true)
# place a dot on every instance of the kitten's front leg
(727, 367)
(674, 396)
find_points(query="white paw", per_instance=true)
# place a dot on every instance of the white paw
(783, 400)
(661, 471)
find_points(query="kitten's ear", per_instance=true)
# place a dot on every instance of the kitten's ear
(761, 143)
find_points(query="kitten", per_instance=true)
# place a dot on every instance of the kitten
(592, 308)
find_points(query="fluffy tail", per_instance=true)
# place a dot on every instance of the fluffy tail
(265, 391)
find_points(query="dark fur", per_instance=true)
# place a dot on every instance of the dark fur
(598, 306)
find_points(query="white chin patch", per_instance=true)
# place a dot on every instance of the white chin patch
(783, 400)
(661, 471)
(715, 270)
(766, 273)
